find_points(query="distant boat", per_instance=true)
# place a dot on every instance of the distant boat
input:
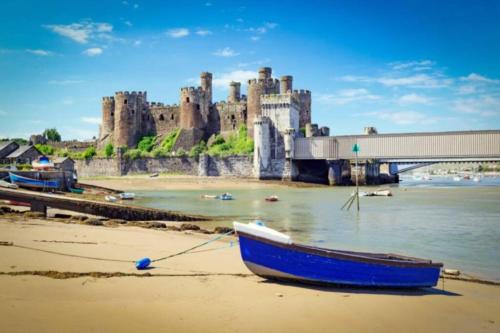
(110, 198)
(226, 196)
(209, 196)
(457, 178)
(33, 183)
(466, 177)
(154, 175)
(43, 163)
(5, 184)
(272, 198)
(127, 196)
(476, 178)
(77, 190)
(427, 177)
(274, 255)
(417, 177)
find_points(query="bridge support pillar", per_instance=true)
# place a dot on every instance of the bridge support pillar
(372, 173)
(339, 172)
(39, 207)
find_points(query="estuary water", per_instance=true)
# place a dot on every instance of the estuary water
(457, 223)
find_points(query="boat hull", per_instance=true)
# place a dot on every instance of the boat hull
(33, 183)
(312, 265)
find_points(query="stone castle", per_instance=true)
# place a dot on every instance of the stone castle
(128, 116)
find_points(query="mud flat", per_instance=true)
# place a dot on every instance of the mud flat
(209, 290)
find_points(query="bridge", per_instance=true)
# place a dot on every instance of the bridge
(392, 149)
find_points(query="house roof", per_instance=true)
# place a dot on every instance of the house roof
(62, 159)
(4, 144)
(21, 150)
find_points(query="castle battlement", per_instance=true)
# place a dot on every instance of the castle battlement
(302, 92)
(108, 99)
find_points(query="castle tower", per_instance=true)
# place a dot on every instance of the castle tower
(234, 92)
(265, 73)
(206, 85)
(127, 119)
(262, 147)
(190, 113)
(108, 116)
(286, 84)
(303, 98)
(265, 84)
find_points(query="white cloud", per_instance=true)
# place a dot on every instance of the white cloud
(486, 106)
(466, 90)
(473, 77)
(225, 52)
(136, 6)
(415, 81)
(414, 99)
(221, 80)
(203, 32)
(254, 63)
(65, 82)
(39, 52)
(255, 38)
(137, 42)
(178, 32)
(128, 23)
(93, 51)
(262, 29)
(413, 65)
(82, 31)
(403, 117)
(91, 120)
(346, 96)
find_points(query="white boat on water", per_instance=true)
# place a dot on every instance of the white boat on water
(209, 196)
(383, 193)
(110, 198)
(477, 179)
(127, 196)
(457, 178)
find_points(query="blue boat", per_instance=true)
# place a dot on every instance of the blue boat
(273, 255)
(226, 196)
(33, 183)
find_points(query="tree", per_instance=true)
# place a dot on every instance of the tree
(52, 134)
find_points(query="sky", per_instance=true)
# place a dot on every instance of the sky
(401, 66)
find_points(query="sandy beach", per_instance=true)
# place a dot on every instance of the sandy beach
(209, 290)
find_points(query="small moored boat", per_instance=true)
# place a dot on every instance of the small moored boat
(110, 198)
(5, 184)
(76, 190)
(226, 196)
(209, 196)
(272, 198)
(382, 193)
(127, 196)
(33, 183)
(272, 254)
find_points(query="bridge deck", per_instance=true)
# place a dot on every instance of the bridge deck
(429, 147)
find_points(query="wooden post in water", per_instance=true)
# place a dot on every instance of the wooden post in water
(355, 149)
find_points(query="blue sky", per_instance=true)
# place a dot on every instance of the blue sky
(401, 66)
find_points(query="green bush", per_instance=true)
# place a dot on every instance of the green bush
(239, 144)
(169, 141)
(181, 152)
(89, 152)
(198, 149)
(146, 143)
(303, 131)
(108, 150)
(45, 149)
(132, 154)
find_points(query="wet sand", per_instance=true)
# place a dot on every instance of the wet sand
(173, 182)
(207, 291)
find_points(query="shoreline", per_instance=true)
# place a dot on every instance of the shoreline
(207, 290)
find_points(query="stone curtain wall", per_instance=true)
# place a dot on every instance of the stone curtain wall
(233, 166)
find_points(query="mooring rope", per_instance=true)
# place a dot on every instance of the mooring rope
(122, 260)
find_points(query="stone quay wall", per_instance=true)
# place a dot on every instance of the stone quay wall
(205, 166)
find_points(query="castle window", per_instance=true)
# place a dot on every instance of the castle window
(171, 117)
(112, 114)
(232, 117)
(161, 117)
(187, 99)
(125, 101)
(198, 107)
(133, 111)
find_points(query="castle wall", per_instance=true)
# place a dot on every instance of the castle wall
(128, 118)
(163, 118)
(286, 84)
(108, 116)
(232, 115)
(234, 92)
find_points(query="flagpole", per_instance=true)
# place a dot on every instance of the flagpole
(357, 186)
